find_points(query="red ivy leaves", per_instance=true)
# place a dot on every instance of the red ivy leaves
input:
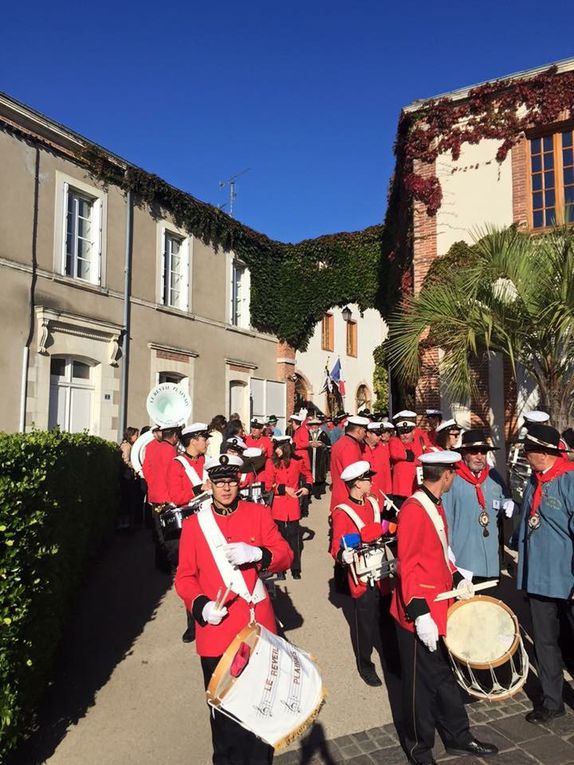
(500, 110)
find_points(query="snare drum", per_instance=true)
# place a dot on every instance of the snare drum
(373, 562)
(485, 648)
(276, 696)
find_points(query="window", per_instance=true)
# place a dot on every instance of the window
(170, 377)
(240, 289)
(552, 179)
(71, 395)
(83, 236)
(327, 333)
(351, 338)
(175, 271)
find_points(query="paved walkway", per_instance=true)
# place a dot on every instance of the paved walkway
(129, 691)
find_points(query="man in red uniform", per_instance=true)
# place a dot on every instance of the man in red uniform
(431, 697)
(404, 452)
(434, 419)
(419, 434)
(257, 440)
(157, 460)
(348, 449)
(244, 535)
(377, 455)
(186, 477)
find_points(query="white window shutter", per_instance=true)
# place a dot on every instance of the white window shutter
(98, 215)
(65, 190)
(163, 267)
(184, 296)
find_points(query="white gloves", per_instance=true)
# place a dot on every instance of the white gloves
(213, 615)
(238, 553)
(347, 555)
(464, 589)
(508, 507)
(427, 631)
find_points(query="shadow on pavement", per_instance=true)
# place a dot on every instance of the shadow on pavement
(315, 745)
(120, 596)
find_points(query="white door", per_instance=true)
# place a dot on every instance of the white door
(71, 395)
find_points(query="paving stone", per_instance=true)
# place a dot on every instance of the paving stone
(517, 729)
(343, 741)
(289, 758)
(360, 737)
(392, 756)
(512, 757)
(383, 740)
(561, 726)
(364, 759)
(350, 750)
(368, 746)
(490, 735)
(551, 750)
(449, 760)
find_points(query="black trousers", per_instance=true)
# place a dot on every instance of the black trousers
(367, 616)
(546, 614)
(167, 550)
(232, 744)
(431, 698)
(291, 533)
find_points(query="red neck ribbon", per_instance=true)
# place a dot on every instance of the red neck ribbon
(476, 480)
(557, 469)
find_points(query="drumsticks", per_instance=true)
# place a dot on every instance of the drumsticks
(477, 588)
(352, 566)
(219, 601)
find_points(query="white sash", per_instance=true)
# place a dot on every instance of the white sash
(434, 515)
(354, 516)
(191, 472)
(232, 577)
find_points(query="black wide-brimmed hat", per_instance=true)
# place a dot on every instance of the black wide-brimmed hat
(473, 439)
(542, 438)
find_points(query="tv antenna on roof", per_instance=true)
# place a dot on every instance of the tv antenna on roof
(232, 192)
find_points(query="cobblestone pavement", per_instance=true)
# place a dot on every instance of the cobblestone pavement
(501, 723)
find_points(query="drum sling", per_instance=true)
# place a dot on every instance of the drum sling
(191, 472)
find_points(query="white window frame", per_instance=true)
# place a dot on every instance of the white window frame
(165, 230)
(69, 383)
(243, 320)
(98, 197)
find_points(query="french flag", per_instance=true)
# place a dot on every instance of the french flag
(337, 377)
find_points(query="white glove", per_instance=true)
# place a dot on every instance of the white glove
(239, 553)
(348, 555)
(508, 507)
(427, 631)
(213, 615)
(464, 589)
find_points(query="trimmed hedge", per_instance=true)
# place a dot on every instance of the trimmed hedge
(58, 502)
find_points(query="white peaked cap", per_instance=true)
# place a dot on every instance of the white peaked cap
(447, 424)
(297, 417)
(376, 426)
(356, 469)
(386, 425)
(405, 424)
(252, 451)
(405, 414)
(223, 460)
(195, 427)
(282, 439)
(235, 441)
(536, 416)
(440, 458)
(358, 420)
(431, 412)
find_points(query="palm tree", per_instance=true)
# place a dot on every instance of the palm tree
(514, 295)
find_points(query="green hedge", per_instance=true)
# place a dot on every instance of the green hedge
(58, 502)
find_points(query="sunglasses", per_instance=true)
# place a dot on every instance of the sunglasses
(476, 450)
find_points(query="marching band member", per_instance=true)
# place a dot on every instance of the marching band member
(473, 507)
(350, 517)
(447, 435)
(284, 473)
(344, 452)
(257, 440)
(159, 455)
(319, 445)
(222, 550)
(545, 555)
(434, 419)
(300, 436)
(431, 698)
(186, 477)
(404, 451)
(377, 455)
(419, 435)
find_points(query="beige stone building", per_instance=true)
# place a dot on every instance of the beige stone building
(66, 301)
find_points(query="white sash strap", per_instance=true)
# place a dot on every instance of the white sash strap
(191, 472)
(436, 520)
(354, 516)
(232, 577)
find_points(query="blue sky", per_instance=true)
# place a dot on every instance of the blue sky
(305, 94)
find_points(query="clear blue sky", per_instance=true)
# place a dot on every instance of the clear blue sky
(305, 94)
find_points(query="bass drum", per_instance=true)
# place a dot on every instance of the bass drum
(138, 451)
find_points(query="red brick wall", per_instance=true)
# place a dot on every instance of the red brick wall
(520, 172)
(286, 371)
(172, 356)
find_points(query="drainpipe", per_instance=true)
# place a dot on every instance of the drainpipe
(125, 343)
(31, 299)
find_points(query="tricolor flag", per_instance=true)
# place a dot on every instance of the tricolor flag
(337, 377)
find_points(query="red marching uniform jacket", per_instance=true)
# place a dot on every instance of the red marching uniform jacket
(198, 576)
(301, 444)
(423, 572)
(344, 452)
(379, 459)
(343, 524)
(404, 470)
(278, 477)
(180, 489)
(263, 443)
(157, 459)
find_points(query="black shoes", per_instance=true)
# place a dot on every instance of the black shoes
(473, 747)
(189, 635)
(296, 574)
(544, 715)
(370, 677)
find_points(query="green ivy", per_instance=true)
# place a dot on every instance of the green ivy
(58, 502)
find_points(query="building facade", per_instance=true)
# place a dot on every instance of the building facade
(83, 266)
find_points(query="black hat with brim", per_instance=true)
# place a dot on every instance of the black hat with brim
(476, 439)
(542, 438)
